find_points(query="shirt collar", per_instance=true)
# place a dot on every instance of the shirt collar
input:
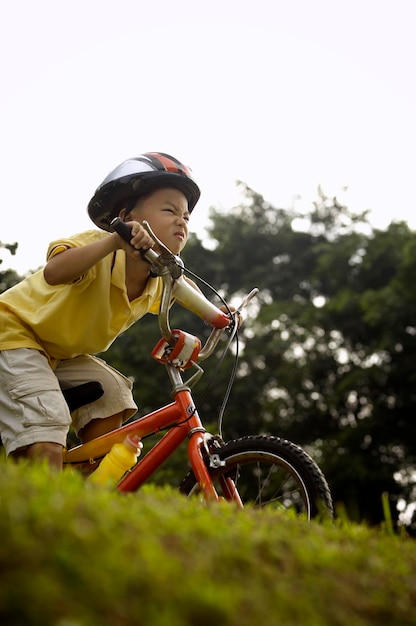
(118, 275)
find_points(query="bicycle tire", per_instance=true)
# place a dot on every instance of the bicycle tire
(269, 472)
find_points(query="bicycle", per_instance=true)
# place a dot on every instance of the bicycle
(263, 470)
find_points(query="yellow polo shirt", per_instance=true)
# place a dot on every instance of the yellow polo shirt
(86, 316)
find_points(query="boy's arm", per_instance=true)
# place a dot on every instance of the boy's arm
(65, 267)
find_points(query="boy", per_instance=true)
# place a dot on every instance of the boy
(93, 287)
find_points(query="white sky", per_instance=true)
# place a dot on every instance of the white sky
(284, 95)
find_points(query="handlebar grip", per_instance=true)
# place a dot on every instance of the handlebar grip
(124, 230)
(196, 302)
(121, 228)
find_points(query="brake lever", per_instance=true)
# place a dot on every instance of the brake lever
(166, 258)
(246, 300)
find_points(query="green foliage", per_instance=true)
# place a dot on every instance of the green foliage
(77, 555)
(330, 359)
(8, 279)
(11, 247)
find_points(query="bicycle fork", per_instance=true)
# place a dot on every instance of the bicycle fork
(202, 457)
(199, 452)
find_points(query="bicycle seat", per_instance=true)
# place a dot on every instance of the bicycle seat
(82, 394)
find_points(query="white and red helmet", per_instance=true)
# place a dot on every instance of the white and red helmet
(136, 177)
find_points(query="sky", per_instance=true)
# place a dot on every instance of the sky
(282, 95)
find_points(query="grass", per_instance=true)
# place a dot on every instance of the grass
(72, 554)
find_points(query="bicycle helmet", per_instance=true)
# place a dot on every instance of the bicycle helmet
(138, 176)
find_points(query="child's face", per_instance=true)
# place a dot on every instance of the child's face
(166, 210)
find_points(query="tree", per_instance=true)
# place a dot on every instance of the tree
(9, 277)
(330, 363)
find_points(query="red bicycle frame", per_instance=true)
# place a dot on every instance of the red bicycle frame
(182, 420)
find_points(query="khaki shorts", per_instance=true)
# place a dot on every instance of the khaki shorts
(32, 407)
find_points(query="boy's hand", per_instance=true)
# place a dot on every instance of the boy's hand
(140, 240)
(232, 308)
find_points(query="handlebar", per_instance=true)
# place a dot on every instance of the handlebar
(170, 268)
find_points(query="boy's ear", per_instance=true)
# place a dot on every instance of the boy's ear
(123, 215)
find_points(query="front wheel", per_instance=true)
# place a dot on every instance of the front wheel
(267, 472)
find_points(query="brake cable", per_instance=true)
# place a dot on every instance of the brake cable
(233, 334)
